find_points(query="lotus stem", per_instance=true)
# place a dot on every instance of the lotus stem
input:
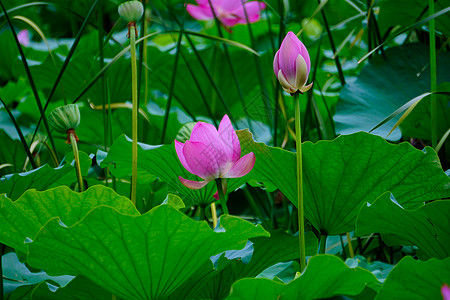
(214, 214)
(350, 246)
(73, 142)
(134, 149)
(301, 221)
(433, 75)
(222, 199)
(323, 244)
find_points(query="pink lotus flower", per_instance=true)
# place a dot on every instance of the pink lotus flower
(445, 290)
(229, 12)
(24, 37)
(212, 154)
(292, 65)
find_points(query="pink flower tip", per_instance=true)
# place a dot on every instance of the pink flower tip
(292, 64)
(212, 153)
(445, 291)
(228, 12)
(24, 37)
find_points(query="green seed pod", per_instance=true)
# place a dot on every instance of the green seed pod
(131, 11)
(64, 118)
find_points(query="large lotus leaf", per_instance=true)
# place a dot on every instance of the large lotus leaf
(280, 247)
(24, 218)
(136, 257)
(384, 85)
(428, 227)
(325, 276)
(12, 153)
(340, 175)
(407, 12)
(160, 161)
(416, 280)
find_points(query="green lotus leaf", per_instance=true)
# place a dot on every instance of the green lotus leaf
(24, 218)
(325, 276)
(428, 227)
(136, 257)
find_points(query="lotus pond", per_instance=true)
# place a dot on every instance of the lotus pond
(225, 149)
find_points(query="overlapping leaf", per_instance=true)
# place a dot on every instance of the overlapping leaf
(428, 227)
(340, 175)
(136, 257)
(325, 276)
(414, 280)
(24, 218)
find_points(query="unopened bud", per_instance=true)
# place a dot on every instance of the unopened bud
(65, 118)
(131, 11)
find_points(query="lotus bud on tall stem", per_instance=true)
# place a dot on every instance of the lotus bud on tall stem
(65, 119)
(132, 12)
(291, 65)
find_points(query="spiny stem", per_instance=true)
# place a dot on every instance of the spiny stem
(73, 142)
(134, 148)
(433, 75)
(301, 221)
(222, 199)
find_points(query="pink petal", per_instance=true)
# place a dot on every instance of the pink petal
(202, 160)
(276, 67)
(253, 10)
(24, 37)
(195, 185)
(230, 137)
(208, 135)
(242, 166)
(200, 13)
(179, 148)
(290, 48)
(227, 5)
(229, 22)
(216, 196)
(445, 290)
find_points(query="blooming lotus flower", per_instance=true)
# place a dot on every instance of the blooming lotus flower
(292, 65)
(212, 154)
(229, 12)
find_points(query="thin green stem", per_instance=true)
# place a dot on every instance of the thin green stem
(2, 249)
(333, 48)
(134, 148)
(22, 138)
(172, 86)
(301, 221)
(73, 142)
(433, 75)
(255, 208)
(223, 200)
(323, 243)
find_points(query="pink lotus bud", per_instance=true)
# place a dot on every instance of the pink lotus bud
(229, 12)
(24, 37)
(445, 290)
(292, 65)
(212, 153)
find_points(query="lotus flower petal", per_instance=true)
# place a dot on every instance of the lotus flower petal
(253, 10)
(201, 159)
(242, 167)
(230, 137)
(195, 185)
(200, 12)
(179, 148)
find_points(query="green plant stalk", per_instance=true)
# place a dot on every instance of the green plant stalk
(433, 75)
(223, 200)
(301, 220)
(323, 244)
(73, 142)
(134, 149)
(1, 270)
(333, 48)
(350, 246)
